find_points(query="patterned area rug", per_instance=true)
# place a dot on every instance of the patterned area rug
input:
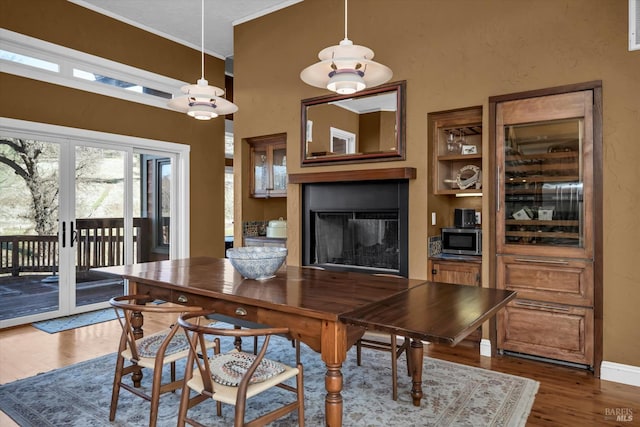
(75, 321)
(454, 395)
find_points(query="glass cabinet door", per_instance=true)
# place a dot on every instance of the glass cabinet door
(260, 170)
(543, 183)
(544, 153)
(280, 169)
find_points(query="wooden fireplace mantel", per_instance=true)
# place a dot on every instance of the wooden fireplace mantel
(352, 175)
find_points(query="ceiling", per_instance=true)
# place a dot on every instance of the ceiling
(180, 20)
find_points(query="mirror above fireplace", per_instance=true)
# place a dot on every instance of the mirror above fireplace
(366, 127)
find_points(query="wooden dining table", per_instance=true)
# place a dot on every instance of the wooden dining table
(327, 310)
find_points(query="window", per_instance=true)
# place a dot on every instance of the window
(33, 58)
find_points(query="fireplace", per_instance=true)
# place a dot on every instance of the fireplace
(356, 226)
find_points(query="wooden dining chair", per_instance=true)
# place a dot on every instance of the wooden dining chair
(235, 376)
(152, 352)
(389, 343)
(379, 342)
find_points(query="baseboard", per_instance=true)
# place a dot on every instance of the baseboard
(609, 371)
(485, 347)
(619, 373)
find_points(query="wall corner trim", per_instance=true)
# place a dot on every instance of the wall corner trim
(619, 373)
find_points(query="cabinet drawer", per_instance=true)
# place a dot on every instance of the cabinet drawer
(222, 307)
(546, 279)
(548, 330)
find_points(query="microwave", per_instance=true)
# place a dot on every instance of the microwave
(462, 241)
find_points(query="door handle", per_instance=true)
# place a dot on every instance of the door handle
(73, 234)
(64, 233)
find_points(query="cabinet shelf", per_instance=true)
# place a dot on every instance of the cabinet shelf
(452, 157)
(450, 134)
(543, 234)
(549, 223)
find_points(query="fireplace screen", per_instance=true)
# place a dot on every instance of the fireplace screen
(358, 239)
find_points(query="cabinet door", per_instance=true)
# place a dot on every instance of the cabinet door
(278, 170)
(260, 170)
(562, 281)
(544, 153)
(555, 331)
(268, 166)
(461, 273)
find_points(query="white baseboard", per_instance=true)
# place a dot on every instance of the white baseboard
(619, 373)
(609, 371)
(485, 347)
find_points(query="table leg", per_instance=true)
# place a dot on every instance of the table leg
(333, 400)
(416, 353)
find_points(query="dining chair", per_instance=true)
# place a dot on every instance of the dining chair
(242, 323)
(389, 343)
(379, 342)
(234, 377)
(153, 352)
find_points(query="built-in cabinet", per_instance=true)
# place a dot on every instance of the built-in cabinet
(546, 223)
(460, 272)
(268, 173)
(456, 151)
(463, 270)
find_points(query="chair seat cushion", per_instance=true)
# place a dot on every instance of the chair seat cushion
(229, 368)
(148, 346)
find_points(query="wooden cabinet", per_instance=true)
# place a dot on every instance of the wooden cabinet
(268, 166)
(464, 271)
(546, 217)
(455, 139)
(459, 272)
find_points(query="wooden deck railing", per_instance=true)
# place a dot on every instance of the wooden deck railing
(99, 242)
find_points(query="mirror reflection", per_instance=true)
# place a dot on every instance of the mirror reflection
(368, 126)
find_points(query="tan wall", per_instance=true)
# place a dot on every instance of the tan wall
(78, 28)
(453, 54)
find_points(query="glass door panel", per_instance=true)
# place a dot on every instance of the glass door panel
(280, 169)
(543, 184)
(29, 265)
(100, 239)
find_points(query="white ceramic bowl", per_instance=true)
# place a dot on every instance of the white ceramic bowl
(255, 262)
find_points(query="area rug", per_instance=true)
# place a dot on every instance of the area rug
(454, 395)
(75, 321)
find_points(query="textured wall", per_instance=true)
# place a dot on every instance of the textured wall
(453, 54)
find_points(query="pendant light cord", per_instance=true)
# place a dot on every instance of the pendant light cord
(345, 19)
(202, 40)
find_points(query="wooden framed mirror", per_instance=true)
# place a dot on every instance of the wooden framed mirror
(364, 127)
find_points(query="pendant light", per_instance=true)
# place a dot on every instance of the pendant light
(346, 68)
(201, 101)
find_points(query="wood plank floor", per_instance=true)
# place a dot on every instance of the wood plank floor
(567, 396)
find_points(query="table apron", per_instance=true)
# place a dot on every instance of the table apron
(306, 329)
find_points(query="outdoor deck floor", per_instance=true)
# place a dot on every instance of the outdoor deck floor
(32, 294)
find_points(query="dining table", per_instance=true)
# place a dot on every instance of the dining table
(327, 310)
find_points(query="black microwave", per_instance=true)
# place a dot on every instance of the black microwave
(462, 241)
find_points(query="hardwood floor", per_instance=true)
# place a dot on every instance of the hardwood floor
(567, 396)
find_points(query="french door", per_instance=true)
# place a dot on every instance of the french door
(88, 203)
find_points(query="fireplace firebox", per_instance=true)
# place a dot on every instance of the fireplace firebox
(356, 226)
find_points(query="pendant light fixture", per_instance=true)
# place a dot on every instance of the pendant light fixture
(201, 101)
(346, 68)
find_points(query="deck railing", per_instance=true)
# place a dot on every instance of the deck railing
(99, 242)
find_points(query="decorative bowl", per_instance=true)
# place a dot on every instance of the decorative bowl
(256, 262)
